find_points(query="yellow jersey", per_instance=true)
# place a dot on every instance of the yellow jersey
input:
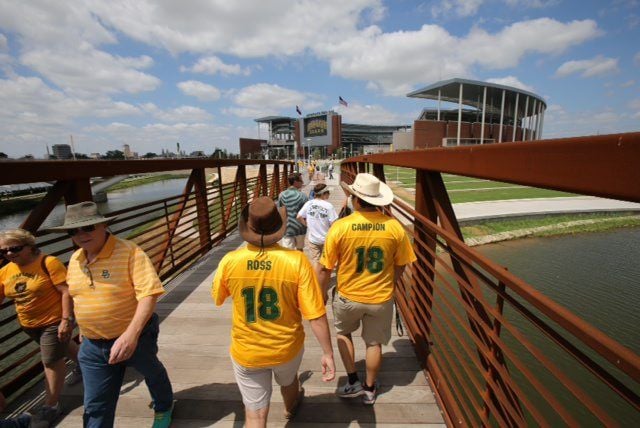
(366, 246)
(272, 289)
(38, 303)
(106, 291)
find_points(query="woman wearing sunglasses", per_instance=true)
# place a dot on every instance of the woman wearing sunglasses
(37, 284)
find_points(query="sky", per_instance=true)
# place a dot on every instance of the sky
(151, 73)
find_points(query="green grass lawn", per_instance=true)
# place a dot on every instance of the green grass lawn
(469, 189)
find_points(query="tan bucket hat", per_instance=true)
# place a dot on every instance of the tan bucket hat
(370, 189)
(82, 214)
(261, 223)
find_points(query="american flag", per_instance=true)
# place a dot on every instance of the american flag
(343, 102)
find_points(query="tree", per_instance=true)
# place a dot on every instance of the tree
(81, 156)
(113, 154)
(3, 155)
(339, 152)
(150, 155)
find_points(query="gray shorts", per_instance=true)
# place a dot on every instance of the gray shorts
(51, 348)
(376, 319)
(255, 383)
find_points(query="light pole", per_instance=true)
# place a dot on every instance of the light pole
(309, 148)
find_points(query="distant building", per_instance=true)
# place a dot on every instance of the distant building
(95, 155)
(127, 152)
(324, 132)
(484, 113)
(197, 154)
(61, 151)
(251, 147)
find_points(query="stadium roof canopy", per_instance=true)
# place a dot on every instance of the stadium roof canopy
(473, 92)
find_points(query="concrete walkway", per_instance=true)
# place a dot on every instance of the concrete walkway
(530, 207)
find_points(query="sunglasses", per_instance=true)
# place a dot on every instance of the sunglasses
(14, 250)
(75, 230)
(88, 272)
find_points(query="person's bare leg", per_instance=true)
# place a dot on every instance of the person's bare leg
(257, 418)
(290, 395)
(373, 361)
(54, 375)
(347, 352)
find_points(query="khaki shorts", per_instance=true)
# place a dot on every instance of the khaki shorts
(376, 319)
(255, 384)
(293, 242)
(51, 348)
(315, 251)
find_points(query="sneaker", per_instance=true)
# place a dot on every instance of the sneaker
(45, 416)
(349, 390)
(162, 419)
(74, 377)
(369, 397)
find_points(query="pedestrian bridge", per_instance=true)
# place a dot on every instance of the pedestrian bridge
(481, 346)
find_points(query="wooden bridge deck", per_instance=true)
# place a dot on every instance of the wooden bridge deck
(194, 341)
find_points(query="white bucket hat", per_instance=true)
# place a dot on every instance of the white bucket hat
(82, 214)
(368, 188)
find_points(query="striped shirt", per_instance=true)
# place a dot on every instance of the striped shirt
(106, 291)
(293, 199)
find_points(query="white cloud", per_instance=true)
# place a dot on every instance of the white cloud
(359, 113)
(4, 44)
(597, 66)
(560, 122)
(264, 99)
(186, 114)
(86, 71)
(200, 90)
(432, 52)
(34, 114)
(154, 137)
(461, 8)
(635, 104)
(628, 84)
(276, 27)
(213, 64)
(636, 59)
(534, 4)
(511, 81)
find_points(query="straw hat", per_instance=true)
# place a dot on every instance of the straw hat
(82, 214)
(368, 188)
(262, 223)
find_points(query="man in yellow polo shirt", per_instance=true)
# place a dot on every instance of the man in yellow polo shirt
(272, 289)
(114, 287)
(372, 250)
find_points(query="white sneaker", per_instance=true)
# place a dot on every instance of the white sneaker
(369, 397)
(349, 390)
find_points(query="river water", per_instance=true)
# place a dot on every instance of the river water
(117, 200)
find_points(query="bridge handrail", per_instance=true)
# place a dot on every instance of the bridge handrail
(175, 231)
(485, 361)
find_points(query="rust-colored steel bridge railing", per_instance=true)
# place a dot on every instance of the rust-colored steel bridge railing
(174, 231)
(496, 350)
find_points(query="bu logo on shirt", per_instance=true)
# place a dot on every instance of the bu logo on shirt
(20, 287)
(106, 274)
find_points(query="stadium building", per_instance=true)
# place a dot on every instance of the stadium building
(484, 113)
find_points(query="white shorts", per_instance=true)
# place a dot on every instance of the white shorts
(293, 242)
(255, 384)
